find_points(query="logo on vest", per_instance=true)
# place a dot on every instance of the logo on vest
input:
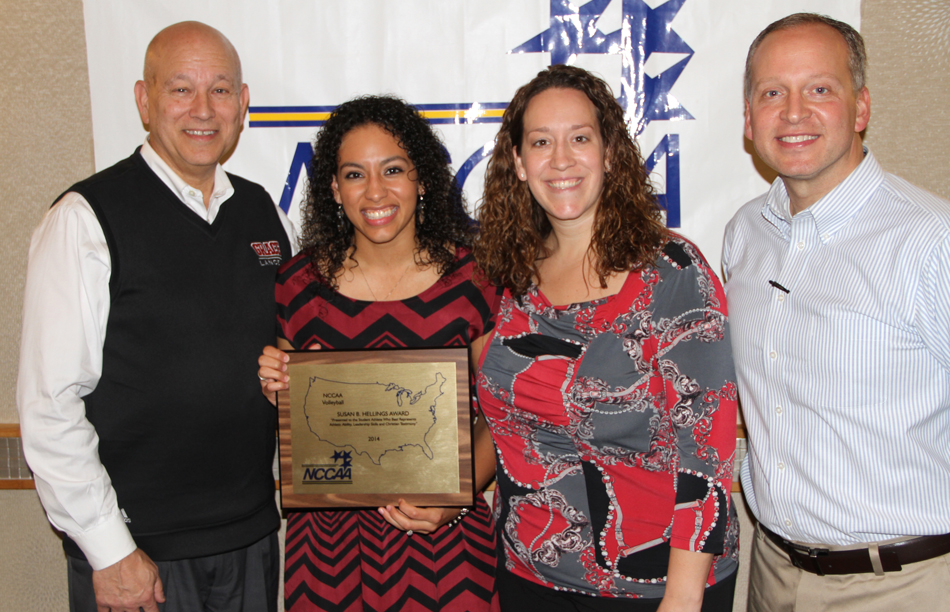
(267, 252)
(338, 472)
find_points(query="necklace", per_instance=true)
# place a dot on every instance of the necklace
(373, 293)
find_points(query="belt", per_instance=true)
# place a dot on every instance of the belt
(876, 558)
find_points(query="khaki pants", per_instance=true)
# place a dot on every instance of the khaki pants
(775, 585)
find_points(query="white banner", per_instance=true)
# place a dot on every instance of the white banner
(676, 65)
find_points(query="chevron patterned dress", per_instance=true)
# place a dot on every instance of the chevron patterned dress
(354, 560)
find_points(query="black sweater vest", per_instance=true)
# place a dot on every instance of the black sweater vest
(184, 431)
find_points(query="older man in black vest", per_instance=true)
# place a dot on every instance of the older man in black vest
(149, 296)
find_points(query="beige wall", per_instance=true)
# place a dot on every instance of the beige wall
(46, 144)
(909, 53)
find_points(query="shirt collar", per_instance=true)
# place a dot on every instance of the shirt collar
(190, 196)
(835, 209)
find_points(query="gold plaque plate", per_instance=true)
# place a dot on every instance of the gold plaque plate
(367, 428)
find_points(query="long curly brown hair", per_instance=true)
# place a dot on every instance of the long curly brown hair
(328, 239)
(628, 227)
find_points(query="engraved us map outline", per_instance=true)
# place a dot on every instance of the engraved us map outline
(400, 395)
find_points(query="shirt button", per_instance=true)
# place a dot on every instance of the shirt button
(788, 522)
(801, 245)
(781, 465)
(781, 297)
(773, 355)
(778, 410)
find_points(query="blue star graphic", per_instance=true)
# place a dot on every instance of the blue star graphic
(643, 31)
(346, 456)
(572, 31)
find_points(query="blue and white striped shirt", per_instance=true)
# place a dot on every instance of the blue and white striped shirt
(845, 378)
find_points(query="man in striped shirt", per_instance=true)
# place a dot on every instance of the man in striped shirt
(837, 280)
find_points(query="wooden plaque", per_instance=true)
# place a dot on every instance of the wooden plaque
(368, 428)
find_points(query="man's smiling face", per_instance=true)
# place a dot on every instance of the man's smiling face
(193, 102)
(803, 115)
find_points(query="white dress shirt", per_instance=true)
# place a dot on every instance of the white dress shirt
(65, 311)
(844, 363)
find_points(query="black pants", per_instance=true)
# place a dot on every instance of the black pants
(243, 580)
(517, 595)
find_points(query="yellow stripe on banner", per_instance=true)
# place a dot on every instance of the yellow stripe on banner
(443, 114)
(469, 115)
(289, 116)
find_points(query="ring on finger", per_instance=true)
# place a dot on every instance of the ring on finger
(409, 532)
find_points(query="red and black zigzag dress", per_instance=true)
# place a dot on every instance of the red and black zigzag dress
(355, 560)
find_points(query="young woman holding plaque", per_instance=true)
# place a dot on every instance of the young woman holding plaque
(385, 262)
(607, 381)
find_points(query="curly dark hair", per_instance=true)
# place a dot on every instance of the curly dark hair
(328, 241)
(628, 228)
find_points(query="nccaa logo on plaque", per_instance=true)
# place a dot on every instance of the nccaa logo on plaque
(338, 472)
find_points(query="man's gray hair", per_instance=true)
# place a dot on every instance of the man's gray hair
(857, 56)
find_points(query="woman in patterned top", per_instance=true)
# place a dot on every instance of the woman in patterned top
(385, 261)
(608, 382)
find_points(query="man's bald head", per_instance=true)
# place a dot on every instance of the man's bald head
(192, 100)
(186, 33)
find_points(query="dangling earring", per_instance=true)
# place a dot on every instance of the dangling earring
(341, 216)
(421, 210)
